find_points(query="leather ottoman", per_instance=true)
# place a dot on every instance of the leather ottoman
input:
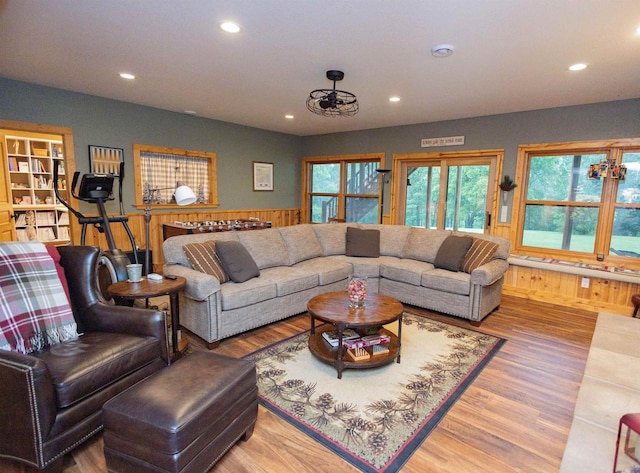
(183, 418)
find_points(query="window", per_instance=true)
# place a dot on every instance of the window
(453, 191)
(574, 203)
(342, 187)
(163, 168)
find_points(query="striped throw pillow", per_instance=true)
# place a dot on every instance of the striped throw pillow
(481, 252)
(203, 258)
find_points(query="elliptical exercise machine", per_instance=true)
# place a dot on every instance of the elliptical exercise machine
(97, 189)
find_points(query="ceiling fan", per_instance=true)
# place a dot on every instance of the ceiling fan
(333, 102)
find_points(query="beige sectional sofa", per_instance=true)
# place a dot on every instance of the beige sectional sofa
(298, 262)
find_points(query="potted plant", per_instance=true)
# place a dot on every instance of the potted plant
(507, 185)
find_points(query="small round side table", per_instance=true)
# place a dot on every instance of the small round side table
(146, 289)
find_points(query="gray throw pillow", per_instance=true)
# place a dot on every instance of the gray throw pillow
(236, 261)
(364, 243)
(452, 252)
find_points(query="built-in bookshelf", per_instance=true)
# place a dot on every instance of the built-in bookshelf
(38, 213)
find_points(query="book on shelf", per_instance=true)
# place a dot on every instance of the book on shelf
(46, 234)
(63, 233)
(367, 341)
(23, 166)
(331, 336)
(63, 218)
(45, 218)
(21, 235)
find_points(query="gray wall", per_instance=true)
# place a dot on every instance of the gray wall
(619, 119)
(99, 121)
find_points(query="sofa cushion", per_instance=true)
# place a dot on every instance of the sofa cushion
(266, 247)
(301, 242)
(404, 270)
(363, 243)
(101, 358)
(290, 280)
(250, 292)
(392, 237)
(55, 256)
(172, 247)
(481, 252)
(504, 244)
(236, 261)
(452, 252)
(447, 281)
(331, 237)
(329, 269)
(423, 244)
(203, 258)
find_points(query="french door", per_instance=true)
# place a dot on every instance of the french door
(448, 193)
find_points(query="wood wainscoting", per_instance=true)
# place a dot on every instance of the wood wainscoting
(557, 287)
(277, 217)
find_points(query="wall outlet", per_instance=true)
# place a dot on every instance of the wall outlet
(585, 283)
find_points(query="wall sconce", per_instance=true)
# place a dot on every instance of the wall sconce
(386, 178)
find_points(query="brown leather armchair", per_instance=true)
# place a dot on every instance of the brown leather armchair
(51, 400)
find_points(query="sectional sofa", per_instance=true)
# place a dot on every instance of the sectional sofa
(434, 269)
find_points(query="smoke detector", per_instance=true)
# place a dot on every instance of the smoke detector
(442, 50)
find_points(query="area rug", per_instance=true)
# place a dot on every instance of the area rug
(374, 418)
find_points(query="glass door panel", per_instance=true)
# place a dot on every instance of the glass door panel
(422, 197)
(466, 206)
(451, 194)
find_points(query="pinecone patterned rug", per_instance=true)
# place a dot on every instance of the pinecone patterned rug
(374, 418)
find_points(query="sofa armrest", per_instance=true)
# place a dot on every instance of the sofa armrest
(489, 272)
(138, 321)
(199, 285)
(27, 405)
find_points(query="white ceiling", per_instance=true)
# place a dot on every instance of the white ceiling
(510, 55)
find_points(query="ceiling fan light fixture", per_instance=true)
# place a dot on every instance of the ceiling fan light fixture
(333, 102)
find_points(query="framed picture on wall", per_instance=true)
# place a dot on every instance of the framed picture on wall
(105, 160)
(262, 176)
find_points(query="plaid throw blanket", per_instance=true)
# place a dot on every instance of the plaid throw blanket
(34, 310)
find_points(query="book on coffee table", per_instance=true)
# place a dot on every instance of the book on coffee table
(331, 336)
(367, 341)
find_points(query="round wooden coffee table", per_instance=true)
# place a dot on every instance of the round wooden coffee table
(333, 308)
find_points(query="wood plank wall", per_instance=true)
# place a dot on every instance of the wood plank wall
(565, 289)
(277, 217)
(530, 283)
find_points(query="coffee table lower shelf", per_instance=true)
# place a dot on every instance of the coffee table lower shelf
(322, 350)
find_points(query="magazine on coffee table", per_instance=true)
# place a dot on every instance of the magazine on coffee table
(331, 336)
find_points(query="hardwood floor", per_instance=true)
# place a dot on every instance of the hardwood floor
(515, 417)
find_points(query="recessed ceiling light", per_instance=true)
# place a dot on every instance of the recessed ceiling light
(578, 67)
(126, 75)
(289, 117)
(394, 99)
(638, 30)
(442, 50)
(229, 27)
(190, 112)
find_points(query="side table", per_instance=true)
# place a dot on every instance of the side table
(146, 289)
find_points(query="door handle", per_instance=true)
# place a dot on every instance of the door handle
(488, 219)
